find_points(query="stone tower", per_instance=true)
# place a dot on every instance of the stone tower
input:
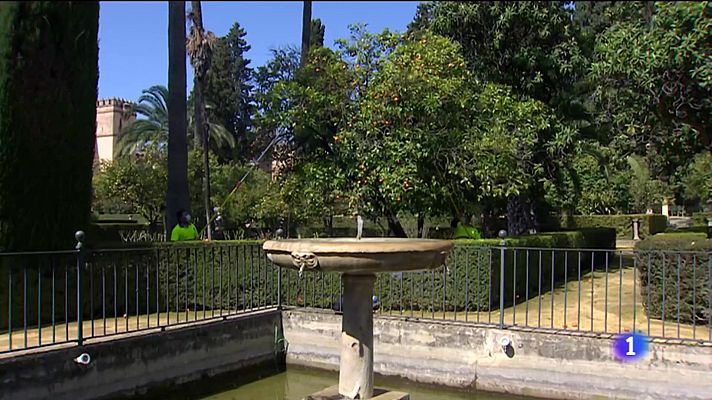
(111, 116)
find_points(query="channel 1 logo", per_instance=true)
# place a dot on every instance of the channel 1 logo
(630, 347)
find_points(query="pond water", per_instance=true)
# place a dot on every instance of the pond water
(297, 383)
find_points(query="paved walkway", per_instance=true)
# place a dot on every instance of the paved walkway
(625, 244)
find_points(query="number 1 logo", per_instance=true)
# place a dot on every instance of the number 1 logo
(630, 347)
(630, 342)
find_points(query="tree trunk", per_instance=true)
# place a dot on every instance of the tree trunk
(421, 225)
(521, 217)
(395, 226)
(201, 56)
(200, 121)
(177, 193)
(306, 31)
(48, 89)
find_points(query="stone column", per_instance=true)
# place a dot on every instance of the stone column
(636, 229)
(356, 365)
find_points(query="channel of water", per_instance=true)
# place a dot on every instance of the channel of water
(297, 383)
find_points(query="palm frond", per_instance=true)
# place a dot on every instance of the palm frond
(137, 133)
(639, 167)
(156, 96)
(593, 151)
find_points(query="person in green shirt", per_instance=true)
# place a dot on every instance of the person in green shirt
(184, 229)
(462, 231)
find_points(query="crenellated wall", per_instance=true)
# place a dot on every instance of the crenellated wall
(112, 115)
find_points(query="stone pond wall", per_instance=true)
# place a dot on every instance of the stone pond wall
(555, 366)
(135, 363)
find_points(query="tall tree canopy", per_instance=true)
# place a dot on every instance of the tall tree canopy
(529, 46)
(48, 90)
(229, 90)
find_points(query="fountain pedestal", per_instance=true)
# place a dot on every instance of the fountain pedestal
(356, 364)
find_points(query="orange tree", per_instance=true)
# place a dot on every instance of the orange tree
(403, 148)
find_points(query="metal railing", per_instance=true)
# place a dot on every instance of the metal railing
(661, 294)
(48, 298)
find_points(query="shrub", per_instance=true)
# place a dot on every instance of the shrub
(650, 224)
(676, 266)
(700, 218)
(692, 229)
(47, 121)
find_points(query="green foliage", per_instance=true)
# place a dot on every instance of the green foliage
(48, 89)
(228, 87)
(675, 266)
(700, 218)
(403, 149)
(529, 46)
(136, 184)
(518, 145)
(151, 128)
(644, 190)
(587, 183)
(316, 38)
(649, 83)
(696, 180)
(650, 224)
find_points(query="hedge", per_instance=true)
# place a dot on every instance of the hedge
(667, 259)
(692, 229)
(700, 218)
(650, 224)
(48, 90)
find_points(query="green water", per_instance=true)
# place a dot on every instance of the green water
(297, 383)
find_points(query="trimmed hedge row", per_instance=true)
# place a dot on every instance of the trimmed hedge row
(676, 266)
(700, 218)
(650, 224)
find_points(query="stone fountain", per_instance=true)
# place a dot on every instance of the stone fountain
(358, 260)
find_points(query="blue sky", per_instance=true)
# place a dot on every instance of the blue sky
(133, 36)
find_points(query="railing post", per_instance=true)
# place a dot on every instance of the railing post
(79, 236)
(279, 234)
(279, 288)
(502, 250)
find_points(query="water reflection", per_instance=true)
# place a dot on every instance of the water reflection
(297, 383)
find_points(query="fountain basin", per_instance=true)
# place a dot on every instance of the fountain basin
(358, 256)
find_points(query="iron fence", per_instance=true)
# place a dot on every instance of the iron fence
(68, 296)
(661, 294)
(56, 297)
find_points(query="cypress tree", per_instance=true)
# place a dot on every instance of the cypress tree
(48, 91)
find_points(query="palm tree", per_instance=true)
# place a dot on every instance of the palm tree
(200, 47)
(177, 191)
(152, 126)
(306, 30)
